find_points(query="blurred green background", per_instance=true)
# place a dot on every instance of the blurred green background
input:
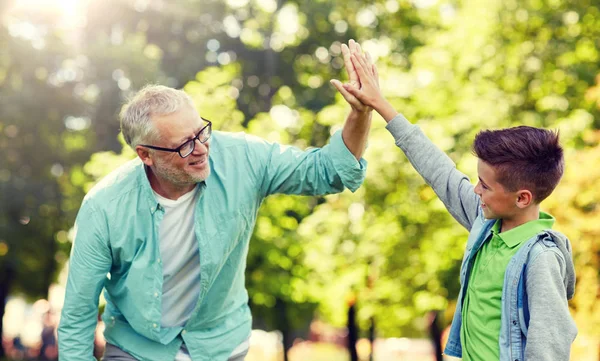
(263, 66)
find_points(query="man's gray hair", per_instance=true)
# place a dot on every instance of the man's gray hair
(152, 100)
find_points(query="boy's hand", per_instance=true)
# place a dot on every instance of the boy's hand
(347, 51)
(368, 93)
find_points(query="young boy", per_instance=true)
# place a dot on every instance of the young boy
(517, 274)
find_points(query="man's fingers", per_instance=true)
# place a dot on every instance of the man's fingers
(351, 99)
(345, 90)
(355, 93)
(352, 76)
(369, 63)
(352, 46)
(337, 84)
(345, 51)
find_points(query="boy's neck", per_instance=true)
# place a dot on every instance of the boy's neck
(529, 214)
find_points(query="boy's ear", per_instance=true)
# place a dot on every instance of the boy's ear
(524, 198)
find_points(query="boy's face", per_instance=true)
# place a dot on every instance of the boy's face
(496, 201)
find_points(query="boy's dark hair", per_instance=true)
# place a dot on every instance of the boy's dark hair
(523, 158)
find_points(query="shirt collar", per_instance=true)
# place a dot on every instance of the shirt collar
(520, 234)
(147, 188)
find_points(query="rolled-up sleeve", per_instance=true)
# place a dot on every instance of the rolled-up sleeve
(316, 171)
(351, 171)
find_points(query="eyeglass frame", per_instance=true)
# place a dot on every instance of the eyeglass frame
(193, 140)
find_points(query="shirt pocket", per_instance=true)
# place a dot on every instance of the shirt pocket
(233, 228)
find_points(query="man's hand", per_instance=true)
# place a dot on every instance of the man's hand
(347, 51)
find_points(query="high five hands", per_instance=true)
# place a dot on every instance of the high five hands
(363, 85)
(362, 90)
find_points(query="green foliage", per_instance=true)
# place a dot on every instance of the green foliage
(263, 67)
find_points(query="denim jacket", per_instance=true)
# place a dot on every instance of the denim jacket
(515, 317)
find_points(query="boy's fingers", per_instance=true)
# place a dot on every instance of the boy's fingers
(356, 62)
(364, 57)
(362, 75)
(358, 49)
(370, 63)
(361, 58)
(375, 74)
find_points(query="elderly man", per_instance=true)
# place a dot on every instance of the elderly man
(166, 235)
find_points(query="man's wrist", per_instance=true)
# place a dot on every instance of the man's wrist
(367, 111)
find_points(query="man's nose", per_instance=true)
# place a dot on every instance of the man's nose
(200, 148)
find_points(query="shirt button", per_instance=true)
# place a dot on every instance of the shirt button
(154, 325)
(183, 332)
(156, 294)
(159, 260)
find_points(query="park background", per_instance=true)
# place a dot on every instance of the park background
(379, 264)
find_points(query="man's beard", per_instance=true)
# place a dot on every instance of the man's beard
(178, 176)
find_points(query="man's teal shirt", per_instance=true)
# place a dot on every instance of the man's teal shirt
(116, 247)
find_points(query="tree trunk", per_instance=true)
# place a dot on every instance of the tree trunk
(352, 332)
(372, 338)
(436, 335)
(283, 327)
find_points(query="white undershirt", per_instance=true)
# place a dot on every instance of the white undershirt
(181, 264)
(180, 259)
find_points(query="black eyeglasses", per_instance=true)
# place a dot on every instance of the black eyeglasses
(188, 147)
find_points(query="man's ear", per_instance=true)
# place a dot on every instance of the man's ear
(524, 198)
(144, 155)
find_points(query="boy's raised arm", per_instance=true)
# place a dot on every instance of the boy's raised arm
(439, 171)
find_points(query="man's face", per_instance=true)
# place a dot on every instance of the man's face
(496, 201)
(174, 130)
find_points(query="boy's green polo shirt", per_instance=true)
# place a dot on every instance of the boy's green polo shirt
(482, 306)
